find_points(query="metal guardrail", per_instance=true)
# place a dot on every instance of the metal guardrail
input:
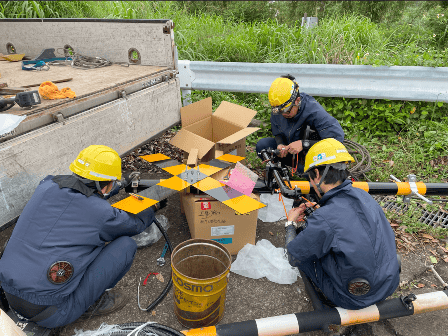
(412, 83)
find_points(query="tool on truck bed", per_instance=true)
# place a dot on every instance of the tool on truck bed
(26, 99)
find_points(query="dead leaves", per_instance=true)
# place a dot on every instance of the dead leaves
(133, 162)
(158, 276)
(390, 162)
(404, 240)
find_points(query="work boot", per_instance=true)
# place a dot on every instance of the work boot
(111, 301)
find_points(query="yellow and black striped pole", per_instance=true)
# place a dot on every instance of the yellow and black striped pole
(387, 188)
(316, 320)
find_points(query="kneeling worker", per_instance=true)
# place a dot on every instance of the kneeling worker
(292, 111)
(347, 246)
(56, 265)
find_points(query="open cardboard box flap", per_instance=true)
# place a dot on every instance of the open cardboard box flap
(238, 115)
(238, 135)
(197, 111)
(202, 129)
(187, 140)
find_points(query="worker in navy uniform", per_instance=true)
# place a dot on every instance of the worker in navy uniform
(57, 265)
(346, 247)
(292, 112)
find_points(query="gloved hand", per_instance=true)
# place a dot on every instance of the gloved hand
(126, 179)
(160, 205)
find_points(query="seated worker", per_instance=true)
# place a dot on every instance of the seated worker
(347, 248)
(292, 112)
(56, 263)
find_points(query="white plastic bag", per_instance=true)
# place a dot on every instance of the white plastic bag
(264, 260)
(8, 122)
(103, 330)
(152, 233)
(273, 211)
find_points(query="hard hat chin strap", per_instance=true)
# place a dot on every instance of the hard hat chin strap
(298, 105)
(337, 165)
(327, 167)
(97, 185)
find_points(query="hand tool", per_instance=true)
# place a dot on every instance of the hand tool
(161, 260)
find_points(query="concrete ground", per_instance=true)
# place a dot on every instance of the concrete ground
(249, 299)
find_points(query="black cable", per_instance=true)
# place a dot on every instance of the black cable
(363, 165)
(4, 105)
(170, 283)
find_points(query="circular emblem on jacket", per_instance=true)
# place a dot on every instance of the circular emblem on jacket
(60, 272)
(359, 287)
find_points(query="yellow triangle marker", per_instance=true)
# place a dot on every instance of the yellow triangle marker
(208, 170)
(244, 204)
(133, 205)
(155, 157)
(176, 170)
(175, 183)
(230, 158)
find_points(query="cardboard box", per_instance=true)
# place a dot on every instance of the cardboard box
(210, 219)
(214, 134)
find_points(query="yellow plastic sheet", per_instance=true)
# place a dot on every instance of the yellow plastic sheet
(207, 184)
(230, 158)
(155, 157)
(133, 205)
(175, 183)
(243, 204)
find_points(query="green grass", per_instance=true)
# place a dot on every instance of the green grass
(342, 37)
(410, 223)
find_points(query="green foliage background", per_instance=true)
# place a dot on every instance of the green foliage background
(379, 33)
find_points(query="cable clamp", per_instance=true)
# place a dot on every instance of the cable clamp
(407, 300)
(412, 179)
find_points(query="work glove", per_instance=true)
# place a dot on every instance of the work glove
(126, 179)
(160, 205)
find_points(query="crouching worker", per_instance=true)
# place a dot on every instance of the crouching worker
(346, 247)
(57, 266)
(292, 111)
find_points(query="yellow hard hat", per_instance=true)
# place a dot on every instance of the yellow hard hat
(326, 151)
(282, 93)
(97, 163)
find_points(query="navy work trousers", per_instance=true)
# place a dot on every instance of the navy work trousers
(104, 272)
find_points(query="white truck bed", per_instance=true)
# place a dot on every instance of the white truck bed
(117, 106)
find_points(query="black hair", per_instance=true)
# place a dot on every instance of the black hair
(333, 175)
(288, 76)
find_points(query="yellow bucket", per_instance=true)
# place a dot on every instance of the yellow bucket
(200, 271)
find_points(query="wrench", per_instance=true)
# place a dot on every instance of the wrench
(161, 260)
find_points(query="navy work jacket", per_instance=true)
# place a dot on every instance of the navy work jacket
(311, 113)
(61, 224)
(348, 237)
